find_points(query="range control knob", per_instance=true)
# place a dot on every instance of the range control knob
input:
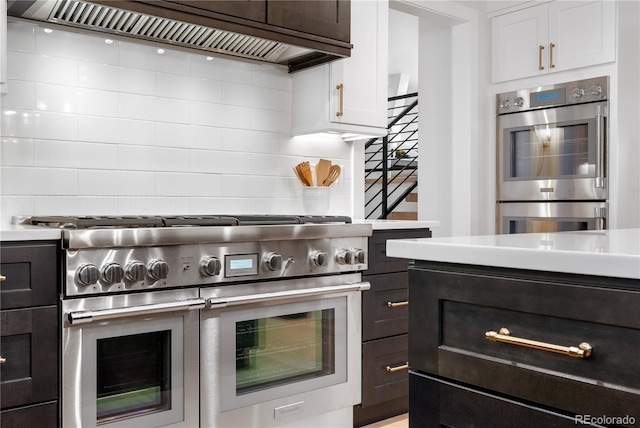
(158, 269)
(505, 104)
(112, 273)
(577, 93)
(595, 90)
(210, 266)
(518, 102)
(359, 256)
(318, 258)
(273, 261)
(87, 274)
(135, 271)
(345, 257)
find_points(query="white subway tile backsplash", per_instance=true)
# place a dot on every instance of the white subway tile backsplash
(188, 88)
(39, 181)
(73, 154)
(41, 68)
(115, 183)
(113, 130)
(20, 95)
(39, 124)
(95, 128)
(17, 152)
(115, 78)
(148, 158)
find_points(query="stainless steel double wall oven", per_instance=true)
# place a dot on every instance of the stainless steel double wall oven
(552, 145)
(213, 321)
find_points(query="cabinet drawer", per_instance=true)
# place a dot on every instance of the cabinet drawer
(31, 273)
(447, 336)
(378, 260)
(436, 403)
(383, 310)
(41, 415)
(29, 344)
(378, 383)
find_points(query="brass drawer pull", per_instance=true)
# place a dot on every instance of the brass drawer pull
(3, 278)
(340, 89)
(540, 49)
(3, 360)
(551, 64)
(397, 368)
(396, 304)
(583, 350)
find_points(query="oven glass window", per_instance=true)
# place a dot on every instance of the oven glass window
(552, 151)
(133, 375)
(280, 350)
(532, 225)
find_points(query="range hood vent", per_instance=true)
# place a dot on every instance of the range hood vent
(97, 17)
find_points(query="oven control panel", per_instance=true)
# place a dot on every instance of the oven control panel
(92, 271)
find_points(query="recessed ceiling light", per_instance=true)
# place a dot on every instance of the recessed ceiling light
(160, 51)
(108, 41)
(209, 58)
(48, 30)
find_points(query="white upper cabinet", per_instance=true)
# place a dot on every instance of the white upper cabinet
(348, 96)
(556, 36)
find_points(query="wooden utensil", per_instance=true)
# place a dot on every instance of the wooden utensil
(300, 177)
(305, 170)
(322, 171)
(334, 173)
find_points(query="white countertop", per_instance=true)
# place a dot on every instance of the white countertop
(614, 253)
(28, 233)
(398, 224)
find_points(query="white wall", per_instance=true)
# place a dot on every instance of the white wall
(95, 128)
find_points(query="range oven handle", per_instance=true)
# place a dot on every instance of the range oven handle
(83, 317)
(601, 130)
(222, 302)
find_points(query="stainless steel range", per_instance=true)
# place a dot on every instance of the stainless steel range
(210, 320)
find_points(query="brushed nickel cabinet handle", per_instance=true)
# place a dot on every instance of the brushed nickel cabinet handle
(540, 49)
(396, 304)
(551, 64)
(3, 278)
(583, 350)
(340, 89)
(3, 360)
(397, 368)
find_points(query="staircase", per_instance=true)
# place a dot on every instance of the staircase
(391, 164)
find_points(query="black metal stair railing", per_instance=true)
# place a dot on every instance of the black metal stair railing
(391, 162)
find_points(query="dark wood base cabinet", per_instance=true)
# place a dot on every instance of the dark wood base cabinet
(568, 356)
(29, 335)
(385, 379)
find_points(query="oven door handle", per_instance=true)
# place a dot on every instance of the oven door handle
(601, 136)
(222, 302)
(83, 317)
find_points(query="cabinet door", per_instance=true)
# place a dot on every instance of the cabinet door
(581, 33)
(519, 43)
(326, 18)
(384, 306)
(358, 86)
(31, 275)
(29, 346)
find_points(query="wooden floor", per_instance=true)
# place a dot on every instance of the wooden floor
(401, 421)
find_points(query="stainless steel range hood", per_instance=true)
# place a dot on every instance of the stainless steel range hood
(112, 20)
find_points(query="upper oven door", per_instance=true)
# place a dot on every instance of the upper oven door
(131, 360)
(553, 154)
(273, 353)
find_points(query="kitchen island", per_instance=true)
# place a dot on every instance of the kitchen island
(527, 330)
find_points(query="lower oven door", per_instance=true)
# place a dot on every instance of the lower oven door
(280, 352)
(131, 360)
(547, 217)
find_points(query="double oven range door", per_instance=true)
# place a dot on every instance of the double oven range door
(552, 157)
(283, 352)
(131, 360)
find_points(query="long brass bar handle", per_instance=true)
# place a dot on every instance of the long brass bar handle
(340, 89)
(540, 49)
(583, 350)
(396, 304)
(3, 278)
(3, 360)
(551, 64)
(397, 368)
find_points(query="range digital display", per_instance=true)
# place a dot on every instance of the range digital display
(548, 98)
(241, 265)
